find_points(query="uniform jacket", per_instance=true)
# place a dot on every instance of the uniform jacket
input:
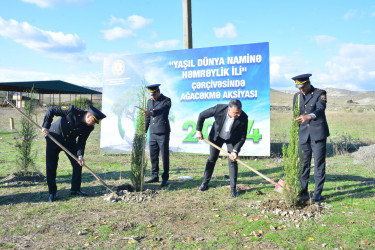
(219, 112)
(158, 122)
(68, 127)
(315, 102)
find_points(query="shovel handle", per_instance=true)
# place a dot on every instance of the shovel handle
(63, 148)
(252, 169)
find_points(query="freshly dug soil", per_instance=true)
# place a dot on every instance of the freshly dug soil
(126, 193)
(303, 211)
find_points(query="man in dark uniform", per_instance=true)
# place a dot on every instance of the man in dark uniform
(230, 127)
(157, 112)
(73, 123)
(313, 132)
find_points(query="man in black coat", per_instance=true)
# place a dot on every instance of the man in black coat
(230, 127)
(156, 120)
(313, 132)
(73, 123)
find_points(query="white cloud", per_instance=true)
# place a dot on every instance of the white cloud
(8, 75)
(350, 14)
(117, 33)
(324, 40)
(133, 21)
(228, 31)
(53, 3)
(89, 79)
(283, 68)
(373, 14)
(41, 40)
(168, 44)
(115, 20)
(138, 22)
(353, 68)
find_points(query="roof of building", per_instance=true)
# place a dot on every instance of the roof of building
(47, 87)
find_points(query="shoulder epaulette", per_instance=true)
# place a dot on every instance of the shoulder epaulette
(76, 109)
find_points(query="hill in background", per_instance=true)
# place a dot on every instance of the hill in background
(335, 97)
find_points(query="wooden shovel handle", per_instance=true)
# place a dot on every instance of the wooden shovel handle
(252, 169)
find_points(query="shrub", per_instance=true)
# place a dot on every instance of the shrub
(138, 157)
(25, 161)
(292, 162)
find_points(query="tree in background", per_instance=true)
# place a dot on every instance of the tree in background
(138, 157)
(25, 160)
(292, 161)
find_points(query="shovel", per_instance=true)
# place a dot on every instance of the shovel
(63, 148)
(278, 186)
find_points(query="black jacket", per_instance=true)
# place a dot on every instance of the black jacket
(315, 102)
(158, 122)
(68, 127)
(219, 112)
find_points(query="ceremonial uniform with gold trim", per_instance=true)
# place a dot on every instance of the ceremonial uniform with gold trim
(72, 132)
(313, 137)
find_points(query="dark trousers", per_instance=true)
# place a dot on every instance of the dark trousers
(52, 158)
(319, 150)
(214, 155)
(159, 143)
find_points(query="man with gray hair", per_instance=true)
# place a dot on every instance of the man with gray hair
(230, 127)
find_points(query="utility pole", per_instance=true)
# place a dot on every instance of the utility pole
(188, 36)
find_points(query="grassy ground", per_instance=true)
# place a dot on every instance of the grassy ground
(180, 216)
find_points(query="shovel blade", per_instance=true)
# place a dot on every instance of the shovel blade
(279, 186)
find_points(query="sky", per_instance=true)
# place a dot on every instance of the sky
(69, 39)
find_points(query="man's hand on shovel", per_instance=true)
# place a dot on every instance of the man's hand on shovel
(233, 156)
(45, 131)
(199, 135)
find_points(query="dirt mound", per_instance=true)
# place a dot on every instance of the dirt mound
(365, 154)
(304, 211)
(126, 193)
(21, 178)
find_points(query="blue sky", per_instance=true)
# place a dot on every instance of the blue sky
(69, 39)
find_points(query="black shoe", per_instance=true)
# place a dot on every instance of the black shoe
(152, 180)
(52, 197)
(164, 183)
(304, 195)
(234, 193)
(316, 198)
(79, 192)
(303, 192)
(203, 187)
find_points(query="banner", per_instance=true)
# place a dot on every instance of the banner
(195, 80)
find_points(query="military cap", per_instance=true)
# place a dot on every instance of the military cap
(96, 113)
(152, 88)
(301, 80)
